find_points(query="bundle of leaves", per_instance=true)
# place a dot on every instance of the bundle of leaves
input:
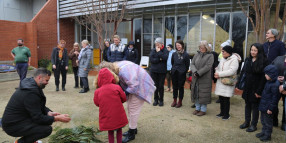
(80, 134)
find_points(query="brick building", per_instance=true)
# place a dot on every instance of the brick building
(38, 27)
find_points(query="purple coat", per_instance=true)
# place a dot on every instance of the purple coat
(135, 80)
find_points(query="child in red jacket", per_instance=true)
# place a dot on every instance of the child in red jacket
(109, 98)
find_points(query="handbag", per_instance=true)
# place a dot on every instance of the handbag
(241, 83)
(229, 80)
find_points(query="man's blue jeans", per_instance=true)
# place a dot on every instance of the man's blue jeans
(22, 69)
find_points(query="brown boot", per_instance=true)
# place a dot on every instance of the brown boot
(174, 103)
(179, 103)
(196, 112)
(201, 113)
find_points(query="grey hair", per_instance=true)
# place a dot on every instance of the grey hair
(205, 44)
(85, 42)
(274, 32)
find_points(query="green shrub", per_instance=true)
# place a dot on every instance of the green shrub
(50, 67)
(79, 134)
(44, 63)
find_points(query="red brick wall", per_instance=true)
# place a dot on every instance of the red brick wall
(46, 22)
(67, 32)
(10, 32)
(46, 25)
(40, 35)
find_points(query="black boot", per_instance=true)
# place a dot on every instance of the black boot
(252, 128)
(130, 136)
(63, 88)
(84, 90)
(244, 125)
(155, 103)
(126, 133)
(57, 88)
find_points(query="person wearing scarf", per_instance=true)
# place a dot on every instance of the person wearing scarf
(180, 66)
(60, 61)
(158, 69)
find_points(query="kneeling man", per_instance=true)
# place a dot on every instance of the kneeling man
(26, 114)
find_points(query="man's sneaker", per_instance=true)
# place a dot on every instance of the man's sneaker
(225, 118)
(219, 115)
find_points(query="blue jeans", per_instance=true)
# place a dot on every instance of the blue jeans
(22, 69)
(201, 107)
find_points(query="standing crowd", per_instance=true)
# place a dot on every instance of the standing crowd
(121, 79)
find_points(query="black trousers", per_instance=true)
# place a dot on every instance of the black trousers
(267, 123)
(224, 106)
(60, 70)
(159, 79)
(30, 135)
(169, 79)
(178, 84)
(275, 114)
(75, 72)
(251, 107)
(85, 82)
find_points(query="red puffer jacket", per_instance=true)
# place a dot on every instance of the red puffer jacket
(109, 98)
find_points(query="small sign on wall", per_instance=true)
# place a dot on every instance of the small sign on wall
(124, 41)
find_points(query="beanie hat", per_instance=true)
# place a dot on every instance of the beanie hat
(228, 49)
(171, 46)
(226, 43)
(131, 43)
(159, 40)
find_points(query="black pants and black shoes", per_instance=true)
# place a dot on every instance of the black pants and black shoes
(224, 107)
(275, 115)
(85, 84)
(75, 72)
(60, 70)
(159, 79)
(251, 108)
(30, 135)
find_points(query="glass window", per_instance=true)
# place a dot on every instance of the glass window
(169, 30)
(208, 27)
(182, 24)
(158, 25)
(193, 33)
(147, 25)
(222, 30)
(137, 34)
(124, 30)
(238, 32)
(147, 44)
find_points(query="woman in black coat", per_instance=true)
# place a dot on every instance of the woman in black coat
(131, 53)
(106, 46)
(254, 85)
(180, 66)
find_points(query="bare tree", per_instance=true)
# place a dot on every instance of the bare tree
(104, 15)
(261, 10)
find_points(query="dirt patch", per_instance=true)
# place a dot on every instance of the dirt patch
(156, 124)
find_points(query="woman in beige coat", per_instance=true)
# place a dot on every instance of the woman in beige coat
(202, 81)
(226, 68)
